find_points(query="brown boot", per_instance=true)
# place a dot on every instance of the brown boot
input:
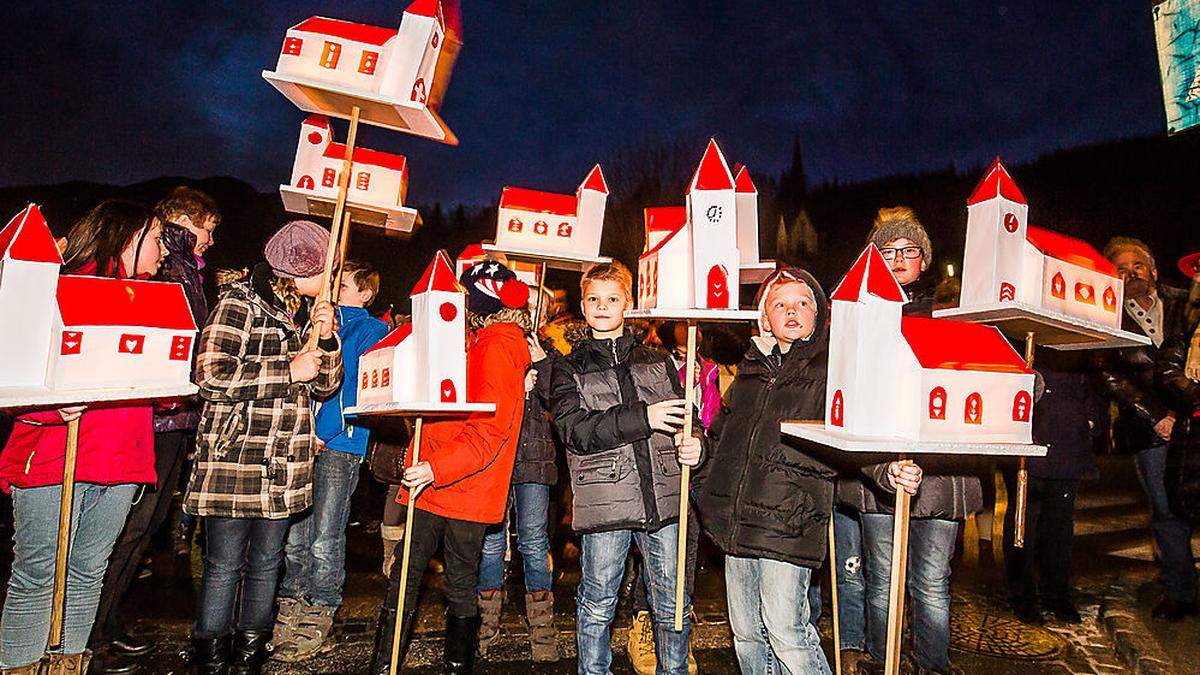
(543, 638)
(490, 604)
(31, 669)
(69, 664)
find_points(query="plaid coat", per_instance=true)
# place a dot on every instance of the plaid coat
(256, 442)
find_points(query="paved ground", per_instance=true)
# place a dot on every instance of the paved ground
(1114, 573)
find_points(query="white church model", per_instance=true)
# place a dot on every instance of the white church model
(694, 262)
(547, 224)
(377, 188)
(918, 379)
(1009, 261)
(81, 332)
(422, 362)
(398, 77)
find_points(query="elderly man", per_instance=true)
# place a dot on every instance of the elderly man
(1145, 415)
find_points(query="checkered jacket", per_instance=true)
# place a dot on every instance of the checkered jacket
(256, 441)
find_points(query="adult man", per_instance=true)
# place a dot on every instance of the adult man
(1145, 416)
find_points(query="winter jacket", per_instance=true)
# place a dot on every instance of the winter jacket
(1183, 454)
(256, 443)
(472, 458)
(359, 331)
(182, 266)
(623, 474)
(116, 444)
(537, 451)
(1128, 375)
(763, 496)
(1068, 417)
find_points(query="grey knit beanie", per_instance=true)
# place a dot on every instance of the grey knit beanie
(298, 249)
(900, 222)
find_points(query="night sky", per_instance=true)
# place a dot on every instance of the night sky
(118, 92)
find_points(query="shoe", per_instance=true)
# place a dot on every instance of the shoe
(1172, 610)
(491, 603)
(1027, 612)
(309, 634)
(1063, 610)
(32, 669)
(851, 658)
(462, 641)
(130, 645)
(381, 655)
(210, 656)
(867, 666)
(285, 619)
(692, 667)
(543, 638)
(111, 662)
(249, 652)
(68, 664)
(641, 644)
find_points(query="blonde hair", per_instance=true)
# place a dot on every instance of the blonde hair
(612, 271)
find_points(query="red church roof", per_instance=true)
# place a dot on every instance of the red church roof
(317, 121)
(99, 301)
(439, 276)
(348, 30)
(393, 338)
(523, 199)
(28, 238)
(595, 181)
(448, 14)
(368, 157)
(958, 345)
(713, 172)
(996, 183)
(1069, 249)
(880, 281)
(742, 180)
(669, 219)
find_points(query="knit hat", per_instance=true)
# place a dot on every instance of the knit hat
(298, 249)
(491, 287)
(900, 222)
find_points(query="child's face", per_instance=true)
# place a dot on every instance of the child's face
(350, 295)
(604, 304)
(309, 287)
(144, 260)
(907, 270)
(791, 312)
(202, 230)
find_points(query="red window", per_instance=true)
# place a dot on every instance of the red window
(1085, 293)
(363, 182)
(366, 383)
(374, 378)
(1058, 286)
(305, 183)
(449, 391)
(331, 54)
(181, 347)
(131, 343)
(292, 45)
(329, 178)
(564, 230)
(448, 311)
(72, 342)
(436, 39)
(1010, 222)
(1008, 292)
(418, 91)
(540, 227)
(385, 379)
(973, 410)
(366, 65)
(837, 411)
(937, 404)
(1021, 406)
(515, 225)
(1110, 299)
(718, 288)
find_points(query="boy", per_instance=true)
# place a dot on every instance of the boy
(316, 547)
(618, 408)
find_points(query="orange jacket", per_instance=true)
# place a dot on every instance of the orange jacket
(472, 457)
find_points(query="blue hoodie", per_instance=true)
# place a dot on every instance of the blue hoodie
(359, 331)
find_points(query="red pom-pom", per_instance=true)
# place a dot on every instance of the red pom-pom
(514, 293)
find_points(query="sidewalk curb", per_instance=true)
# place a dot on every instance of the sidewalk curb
(1132, 639)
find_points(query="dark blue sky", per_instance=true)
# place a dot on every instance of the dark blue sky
(122, 91)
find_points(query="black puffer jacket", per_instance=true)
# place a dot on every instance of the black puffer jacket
(536, 449)
(182, 267)
(623, 474)
(1183, 454)
(762, 495)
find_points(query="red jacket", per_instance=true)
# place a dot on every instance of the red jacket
(472, 458)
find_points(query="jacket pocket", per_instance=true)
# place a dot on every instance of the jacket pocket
(600, 470)
(228, 430)
(668, 462)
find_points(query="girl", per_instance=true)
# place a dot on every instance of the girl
(258, 376)
(116, 239)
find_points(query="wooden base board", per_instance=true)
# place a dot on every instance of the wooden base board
(817, 433)
(1051, 329)
(42, 397)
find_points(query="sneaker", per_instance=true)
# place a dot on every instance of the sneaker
(311, 626)
(641, 644)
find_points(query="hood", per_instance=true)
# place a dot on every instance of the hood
(764, 344)
(576, 331)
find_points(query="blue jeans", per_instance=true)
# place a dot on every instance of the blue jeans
(97, 516)
(603, 565)
(851, 583)
(1177, 568)
(930, 548)
(316, 542)
(532, 504)
(239, 550)
(769, 616)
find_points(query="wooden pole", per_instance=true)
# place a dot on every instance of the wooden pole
(335, 283)
(685, 478)
(406, 551)
(833, 600)
(541, 291)
(895, 625)
(336, 234)
(1022, 472)
(65, 510)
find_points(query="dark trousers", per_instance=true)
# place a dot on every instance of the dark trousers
(145, 517)
(245, 552)
(1043, 567)
(463, 542)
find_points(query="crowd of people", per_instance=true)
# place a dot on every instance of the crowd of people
(269, 462)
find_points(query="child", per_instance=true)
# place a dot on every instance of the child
(116, 453)
(618, 408)
(768, 505)
(311, 591)
(258, 376)
(467, 465)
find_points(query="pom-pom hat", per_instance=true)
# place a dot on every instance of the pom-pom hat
(491, 287)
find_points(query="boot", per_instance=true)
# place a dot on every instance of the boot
(210, 656)
(69, 664)
(285, 618)
(381, 655)
(249, 652)
(490, 605)
(31, 669)
(462, 640)
(641, 644)
(543, 639)
(308, 634)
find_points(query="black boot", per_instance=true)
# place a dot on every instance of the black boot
(210, 656)
(249, 652)
(462, 639)
(381, 659)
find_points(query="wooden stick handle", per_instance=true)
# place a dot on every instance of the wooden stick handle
(541, 291)
(833, 599)
(896, 590)
(685, 478)
(61, 557)
(1022, 472)
(336, 234)
(406, 551)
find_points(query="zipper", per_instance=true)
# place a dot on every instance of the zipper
(760, 407)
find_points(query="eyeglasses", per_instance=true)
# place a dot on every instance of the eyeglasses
(908, 253)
